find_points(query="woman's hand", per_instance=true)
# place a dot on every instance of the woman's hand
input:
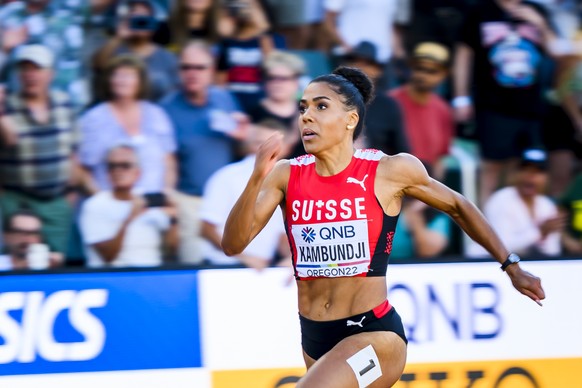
(269, 153)
(526, 283)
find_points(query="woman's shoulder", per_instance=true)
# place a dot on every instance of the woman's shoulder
(98, 112)
(402, 167)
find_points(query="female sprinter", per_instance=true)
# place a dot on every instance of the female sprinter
(341, 205)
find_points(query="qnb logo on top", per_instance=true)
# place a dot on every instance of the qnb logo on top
(28, 321)
(308, 234)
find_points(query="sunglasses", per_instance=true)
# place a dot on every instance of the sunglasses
(187, 67)
(121, 166)
(425, 70)
(281, 78)
(26, 232)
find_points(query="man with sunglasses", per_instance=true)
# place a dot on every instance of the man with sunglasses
(22, 231)
(120, 228)
(427, 117)
(208, 126)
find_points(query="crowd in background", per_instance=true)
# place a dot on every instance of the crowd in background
(128, 128)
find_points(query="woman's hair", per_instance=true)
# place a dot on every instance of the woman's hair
(281, 58)
(355, 88)
(180, 29)
(130, 61)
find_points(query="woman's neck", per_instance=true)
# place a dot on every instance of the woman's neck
(123, 103)
(196, 20)
(334, 160)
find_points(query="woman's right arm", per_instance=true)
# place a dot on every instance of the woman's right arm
(265, 190)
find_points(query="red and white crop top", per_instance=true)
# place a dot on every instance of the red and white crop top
(335, 224)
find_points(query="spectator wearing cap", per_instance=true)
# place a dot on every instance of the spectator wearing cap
(281, 72)
(384, 126)
(137, 22)
(208, 126)
(56, 25)
(503, 45)
(428, 118)
(38, 142)
(527, 221)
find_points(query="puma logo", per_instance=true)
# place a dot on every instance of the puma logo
(361, 183)
(352, 323)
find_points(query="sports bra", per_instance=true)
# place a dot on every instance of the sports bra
(335, 224)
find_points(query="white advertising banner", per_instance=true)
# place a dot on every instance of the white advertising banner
(451, 312)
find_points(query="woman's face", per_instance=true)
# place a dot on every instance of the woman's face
(323, 119)
(281, 84)
(124, 82)
(197, 5)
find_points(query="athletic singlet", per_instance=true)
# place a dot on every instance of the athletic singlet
(335, 224)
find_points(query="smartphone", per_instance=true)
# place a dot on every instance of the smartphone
(155, 199)
(143, 23)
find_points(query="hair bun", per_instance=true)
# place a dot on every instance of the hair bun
(359, 79)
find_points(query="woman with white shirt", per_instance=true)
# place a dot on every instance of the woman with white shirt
(125, 117)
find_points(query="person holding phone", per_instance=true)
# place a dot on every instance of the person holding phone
(122, 229)
(138, 21)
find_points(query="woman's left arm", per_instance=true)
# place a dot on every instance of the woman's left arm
(418, 184)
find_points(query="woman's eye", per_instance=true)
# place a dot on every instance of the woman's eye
(321, 106)
(302, 109)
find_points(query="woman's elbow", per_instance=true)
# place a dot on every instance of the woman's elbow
(229, 248)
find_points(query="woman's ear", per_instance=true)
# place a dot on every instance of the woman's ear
(353, 119)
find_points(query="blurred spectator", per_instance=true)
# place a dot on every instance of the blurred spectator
(125, 117)
(571, 202)
(194, 20)
(504, 42)
(207, 126)
(421, 232)
(38, 138)
(56, 25)
(428, 118)
(526, 221)
(137, 22)
(349, 23)
(22, 236)
(221, 193)
(383, 123)
(121, 228)
(281, 72)
(242, 52)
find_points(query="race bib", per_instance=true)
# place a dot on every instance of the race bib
(332, 249)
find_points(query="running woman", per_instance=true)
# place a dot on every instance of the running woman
(341, 206)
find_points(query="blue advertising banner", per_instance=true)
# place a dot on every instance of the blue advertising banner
(80, 322)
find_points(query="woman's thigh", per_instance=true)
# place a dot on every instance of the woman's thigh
(374, 359)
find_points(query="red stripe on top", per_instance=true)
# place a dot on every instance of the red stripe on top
(382, 309)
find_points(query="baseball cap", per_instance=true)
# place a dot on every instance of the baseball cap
(35, 53)
(534, 157)
(432, 51)
(364, 50)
